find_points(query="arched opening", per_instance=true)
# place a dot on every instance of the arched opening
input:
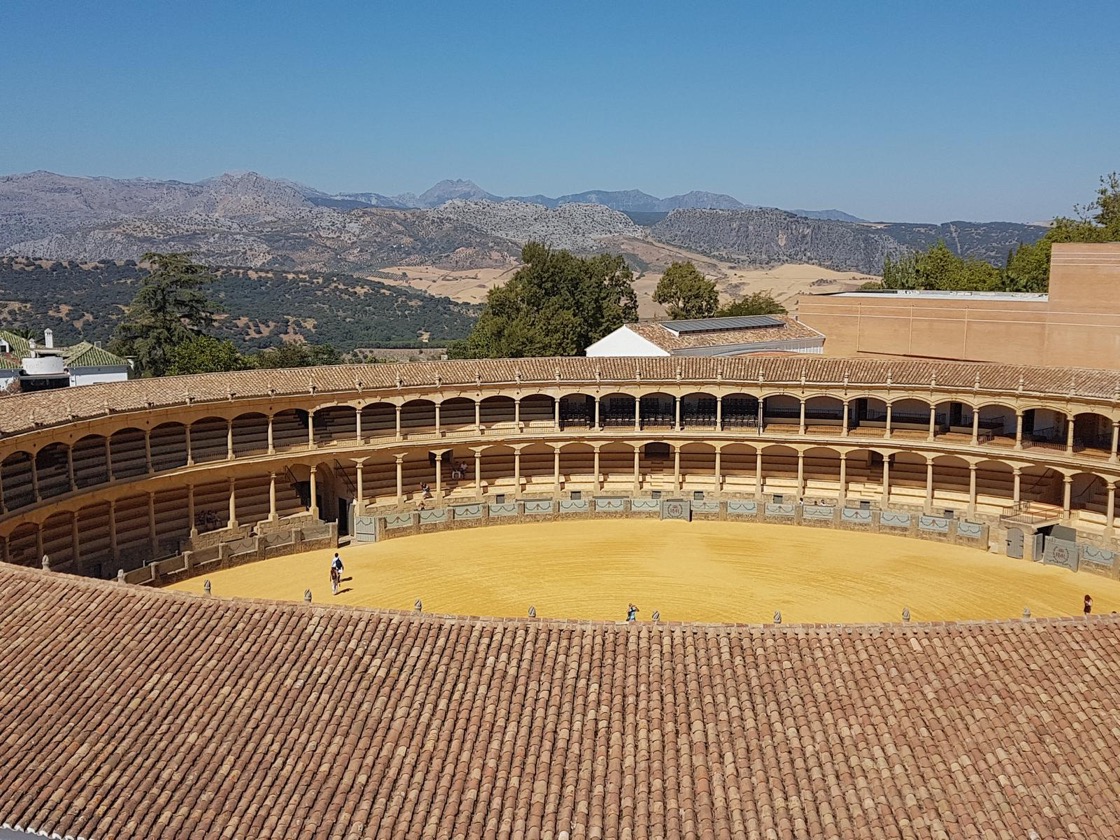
(456, 415)
(1044, 428)
(130, 459)
(134, 533)
(289, 429)
(824, 415)
(863, 475)
(211, 506)
(616, 467)
(90, 468)
(698, 467)
(996, 424)
(23, 545)
(910, 419)
(1092, 434)
(950, 482)
(698, 411)
(250, 435)
(779, 471)
(497, 469)
(655, 467)
(537, 468)
(868, 417)
(94, 543)
(782, 410)
(995, 487)
(336, 424)
(418, 417)
(577, 466)
(658, 411)
(53, 469)
(172, 521)
(1041, 488)
(577, 411)
(498, 412)
(908, 480)
(419, 468)
(169, 447)
(379, 420)
(822, 473)
(737, 467)
(1089, 499)
(537, 411)
(740, 411)
(58, 542)
(617, 410)
(379, 476)
(209, 440)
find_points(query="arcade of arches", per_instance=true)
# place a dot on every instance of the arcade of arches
(116, 491)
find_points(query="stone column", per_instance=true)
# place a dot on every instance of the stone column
(271, 441)
(478, 417)
(70, 467)
(972, 489)
(1067, 495)
(676, 468)
(801, 420)
(677, 413)
(1115, 441)
(596, 457)
(800, 474)
(439, 429)
(272, 513)
(637, 470)
(1019, 429)
(1069, 433)
(358, 425)
(439, 473)
(758, 473)
(975, 426)
(929, 486)
(1110, 508)
(35, 478)
(1016, 485)
(847, 418)
(478, 472)
(154, 540)
(76, 544)
(887, 431)
(556, 414)
(229, 440)
(637, 414)
(233, 502)
(113, 544)
(398, 413)
(598, 424)
(843, 476)
(556, 470)
(400, 478)
(147, 454)
(359, 490)
(932, 422)
(517, 413)
(516, 471)
(314, 507)
(311, 429)
(886, 481)
(190, 450)
(109, 454)
(190, 510)
(3, 506)
(719, 477)
(719, 413)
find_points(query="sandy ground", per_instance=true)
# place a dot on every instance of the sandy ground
(699, 571)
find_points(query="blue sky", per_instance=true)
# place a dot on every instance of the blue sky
(990, 109)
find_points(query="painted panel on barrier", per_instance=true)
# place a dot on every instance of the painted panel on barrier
(433, 516)
(505, 509)
(537, 507)
(970, 530)
(818, 513)
(676, 509)
(742, 507)
(933, 524)
(705, 506)
(645, 505)
(610, 505)
(468, 511)
(894, 519)
(398, 520)
(1062, 553)
(783, 509)
(575, 505)
(365, 529)
(1098, 556)
(856, 516)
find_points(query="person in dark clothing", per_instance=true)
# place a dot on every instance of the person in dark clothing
(631, 613)
(1088, 605)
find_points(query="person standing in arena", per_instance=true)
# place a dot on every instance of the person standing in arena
(1088, 605)
(336, 573)
(631, 613)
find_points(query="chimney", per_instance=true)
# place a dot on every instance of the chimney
(48, 338)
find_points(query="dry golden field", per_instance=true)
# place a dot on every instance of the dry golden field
(699, 571)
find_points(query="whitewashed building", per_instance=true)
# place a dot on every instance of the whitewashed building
(44, 367)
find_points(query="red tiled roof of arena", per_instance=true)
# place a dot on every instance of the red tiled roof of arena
(130, 712)
(29, 411)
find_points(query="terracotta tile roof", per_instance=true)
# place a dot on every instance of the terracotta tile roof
(791, 329)
(29, 411)
(84, 354)
(129, 712)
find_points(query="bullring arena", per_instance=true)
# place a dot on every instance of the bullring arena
(750, 502)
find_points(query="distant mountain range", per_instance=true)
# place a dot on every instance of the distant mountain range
(251, 221)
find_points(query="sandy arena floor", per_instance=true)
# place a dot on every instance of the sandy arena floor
(699, 571)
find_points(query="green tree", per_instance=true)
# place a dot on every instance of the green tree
(169, 309)
(295, 354)
(205, 354)
(686, 293)
(756, 303)
(556, 304)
